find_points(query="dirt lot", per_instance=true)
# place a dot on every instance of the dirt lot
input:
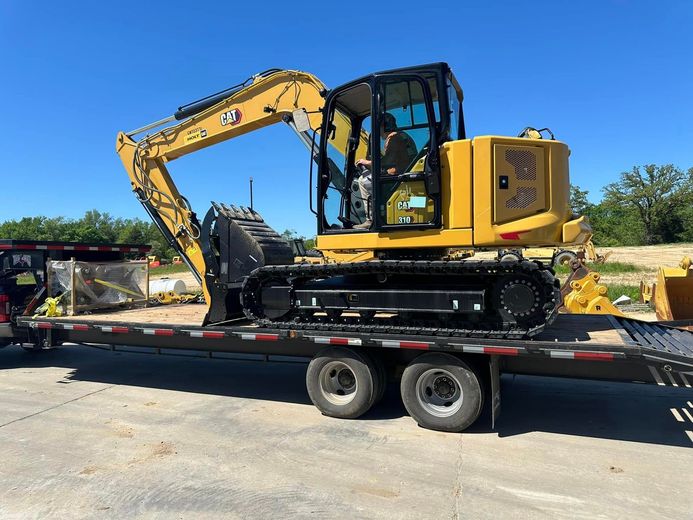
(649, 257)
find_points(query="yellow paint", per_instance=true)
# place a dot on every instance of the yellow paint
(409, 204)
(588, 296)
(673, 292)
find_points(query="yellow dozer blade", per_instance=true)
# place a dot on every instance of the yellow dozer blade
(673, 294)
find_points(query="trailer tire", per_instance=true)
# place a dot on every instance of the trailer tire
(381, 380)
(441, 392)
(342, 382)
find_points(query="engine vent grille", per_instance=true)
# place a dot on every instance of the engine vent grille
(523, 198)
(525, 163)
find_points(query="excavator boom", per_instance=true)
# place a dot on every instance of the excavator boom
(274, 96)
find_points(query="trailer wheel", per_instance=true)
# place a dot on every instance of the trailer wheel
(441, 392)
(381, 380)
(342, 382)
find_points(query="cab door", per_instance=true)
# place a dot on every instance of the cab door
(406, 162)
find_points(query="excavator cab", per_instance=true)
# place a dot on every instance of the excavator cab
(406, 116)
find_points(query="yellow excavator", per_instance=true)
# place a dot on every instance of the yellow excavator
(395, 184)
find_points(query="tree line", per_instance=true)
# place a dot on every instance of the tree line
(94, 227)
(651, 204)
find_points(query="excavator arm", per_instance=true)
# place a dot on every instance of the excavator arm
(293, 97)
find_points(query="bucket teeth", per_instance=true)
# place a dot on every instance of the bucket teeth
(237, 212)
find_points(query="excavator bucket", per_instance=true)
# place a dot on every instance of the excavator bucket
(239, 242)
(583, 294)
(673, 293)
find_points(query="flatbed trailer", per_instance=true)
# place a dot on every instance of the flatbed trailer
(445, 380)
(25, 260)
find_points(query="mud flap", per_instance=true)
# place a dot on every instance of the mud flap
(495, 390)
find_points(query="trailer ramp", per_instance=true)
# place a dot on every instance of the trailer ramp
(662, 344)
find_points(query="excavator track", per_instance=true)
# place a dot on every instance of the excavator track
(515, 299)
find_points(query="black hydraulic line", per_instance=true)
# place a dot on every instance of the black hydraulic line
(198, 106)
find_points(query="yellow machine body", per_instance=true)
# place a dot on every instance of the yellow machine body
(531, 207)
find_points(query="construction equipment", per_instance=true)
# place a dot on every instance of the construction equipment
(589, 252)
(556, 256)
(301, 255)
(672, 293)
(583, 294)
(386, 252)
(172, 297)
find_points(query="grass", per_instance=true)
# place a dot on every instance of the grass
(607, 268)
(169, 269)
(632, 291)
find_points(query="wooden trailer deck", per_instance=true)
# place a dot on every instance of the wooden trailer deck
(190, 314)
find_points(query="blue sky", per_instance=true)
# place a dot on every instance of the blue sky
(611, 78)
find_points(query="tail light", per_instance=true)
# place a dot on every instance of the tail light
(4, 308)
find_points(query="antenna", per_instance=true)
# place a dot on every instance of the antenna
(251, 194)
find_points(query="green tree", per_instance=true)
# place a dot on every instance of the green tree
(290, 234)
(615, 225)
(657, 194)
(578, 200)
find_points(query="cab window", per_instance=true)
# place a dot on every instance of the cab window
(349, 125)
(404, 142)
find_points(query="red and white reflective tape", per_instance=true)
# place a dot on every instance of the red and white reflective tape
(258, 337)
(58, 247)
(114, 330)
(416, 345)
(210, 334)
(589, 356)
(479, 349)
(158, 332)
(338, 341)
(74, 326)
(44, 325)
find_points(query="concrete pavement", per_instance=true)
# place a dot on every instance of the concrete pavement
(87, 433)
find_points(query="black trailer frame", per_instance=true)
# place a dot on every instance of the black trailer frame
(642, 348)
(601, 347)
